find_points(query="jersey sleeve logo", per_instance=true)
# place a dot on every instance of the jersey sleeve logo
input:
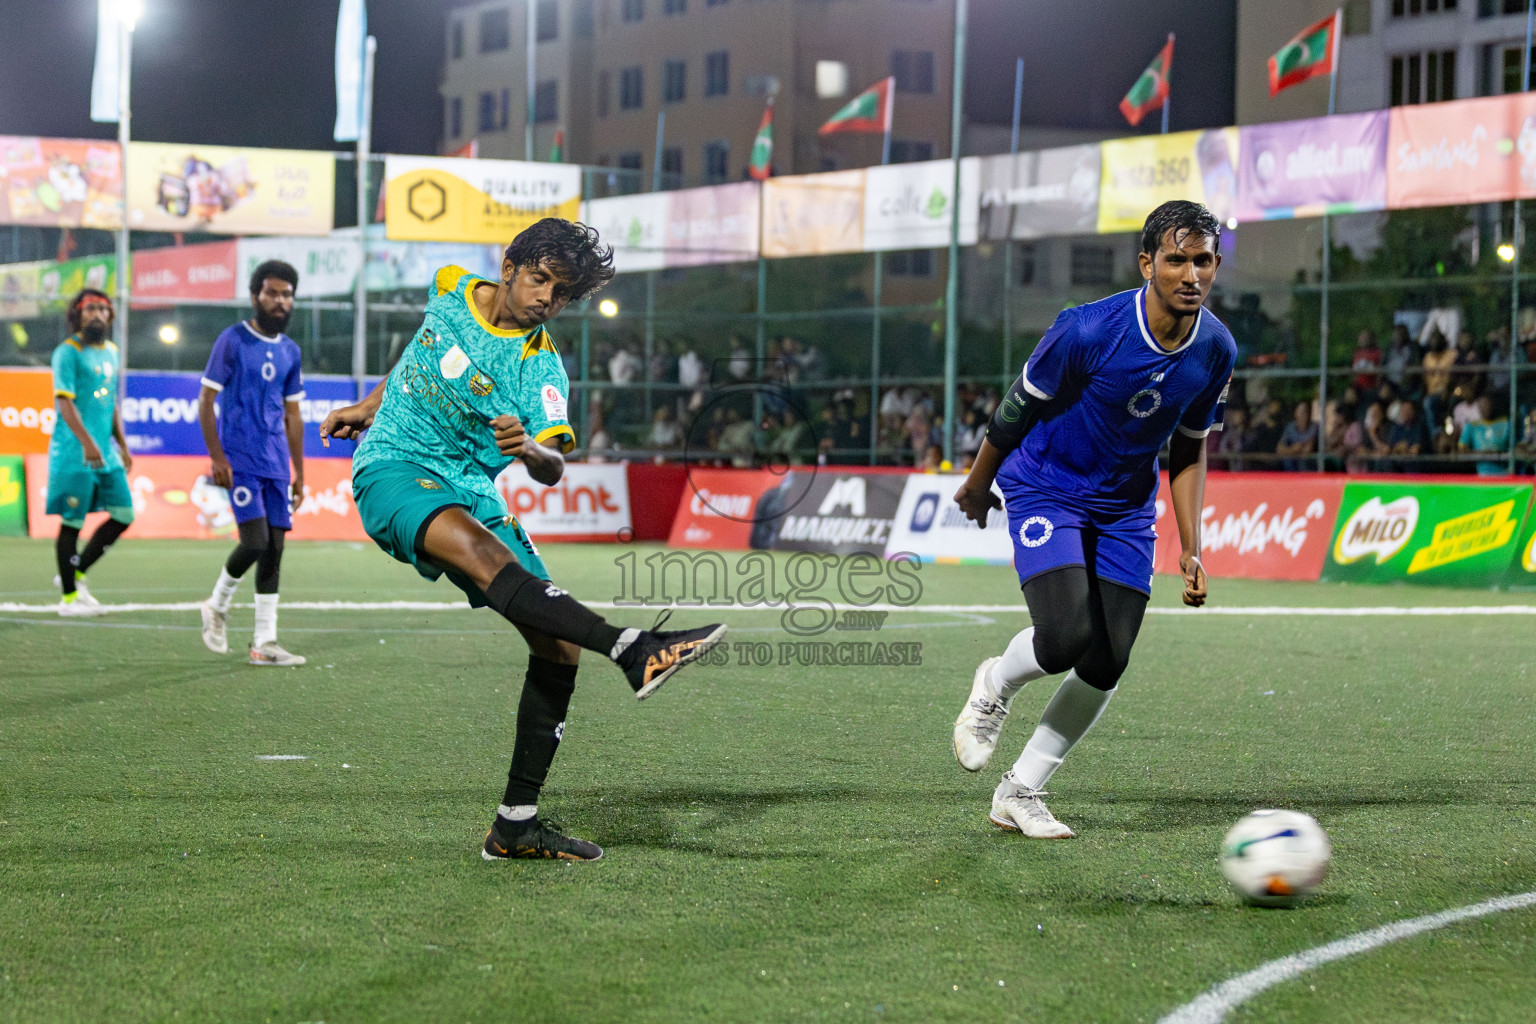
(480, 385)
(554, 402)
(453, 364)
(427, 337)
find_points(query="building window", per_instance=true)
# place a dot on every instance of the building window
(910, 151)
(630, 161)
(1357, 17)
(1492, 8)
(506, 109)
(456, 39)
(714, 3)
(672, 166)
(548, 13)
(455, 117)
(546, 101)
(1424, 77)
(582, 21)
(1093, 265)
(674, 86)
(495, 30)
(717, 161)
(675, 7)
(634, 10)
(1513, 80)
(1024, 254)
(604, 89)
(913, 70)
(910, 263)
(1414, 8)
(487, 112)
(717, 73)
(631, 89)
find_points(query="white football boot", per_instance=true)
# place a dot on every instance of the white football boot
(1018, 808)
(215, 628)
(80, 608)
(83, 594)
(270, 653)
(979, 723)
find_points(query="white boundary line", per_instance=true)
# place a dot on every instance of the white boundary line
(15, 607)
(1212, 1007)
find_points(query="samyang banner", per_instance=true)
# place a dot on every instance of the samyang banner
(60, 183)
(1308, 168)
(448, 199)
(1257, 526)
(1442, 534)
(1467, 151)
(1139, 174)
(226, 191)
(1036, 195)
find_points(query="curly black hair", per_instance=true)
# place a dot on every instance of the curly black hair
(273, 268)
(571, 250)
(72, 313)
(1183, 218)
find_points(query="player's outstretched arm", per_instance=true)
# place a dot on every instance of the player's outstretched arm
(122, 439)
(349, 422)
(1186, 482)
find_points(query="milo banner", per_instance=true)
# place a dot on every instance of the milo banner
(1522, 571)
(447, 199)
(1458, 535)
(13, 496)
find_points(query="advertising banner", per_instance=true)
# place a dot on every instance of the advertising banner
(1257, 526)
(160, 414)
(1141, 173)
(226, 191)
(20, 284)
(1458, 535)
(719, 224)
(931, 526)
(1308, 168)
(1468, 151)
(719, 510)
(60, 183)
(13, 496)
(838, 512)
(590, 503)
(27, 413)
(326, 266)
(445, 199)
(908, 206)
(173, 499)
(163, 277)
(57, 283)
(1522, 570)
(813, 214)
(636, 227)
(1036, 195)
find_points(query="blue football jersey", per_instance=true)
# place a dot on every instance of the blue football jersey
(1115, 396)
(255, 376)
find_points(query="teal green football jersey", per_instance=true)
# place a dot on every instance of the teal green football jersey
(86, 374)
(457, 374)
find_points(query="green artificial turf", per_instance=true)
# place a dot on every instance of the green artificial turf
(783, 843)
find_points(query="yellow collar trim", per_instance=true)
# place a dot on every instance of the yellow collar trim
(500, 332)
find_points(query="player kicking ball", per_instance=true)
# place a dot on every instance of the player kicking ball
(1074, 449)
(254, 374)
(86, 473)
(478, 387)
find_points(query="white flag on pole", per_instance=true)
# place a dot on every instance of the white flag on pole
(106, 105)
(351, 37)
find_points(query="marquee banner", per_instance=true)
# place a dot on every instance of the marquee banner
(1308, 168)
(1036, 195)
(1141, 173)
(60, 183)
(447, 199)
(227, 191)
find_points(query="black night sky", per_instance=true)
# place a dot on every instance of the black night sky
(260, 73)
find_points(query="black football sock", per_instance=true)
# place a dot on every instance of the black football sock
(523, 599)
(68, 561)
(106, 534)
(541, 711)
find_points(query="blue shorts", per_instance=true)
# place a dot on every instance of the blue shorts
(261, 497)
(77, 490)
(1051, 533)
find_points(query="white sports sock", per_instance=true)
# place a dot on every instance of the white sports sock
(1067, 719)
(224, 590)
(1017, 667)
(522, 812)
(621, 645)
(266, 620)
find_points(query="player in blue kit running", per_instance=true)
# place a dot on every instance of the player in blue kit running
(1074, 449)
(254, 374)
(86, 473)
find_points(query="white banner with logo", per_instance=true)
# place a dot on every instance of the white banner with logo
(636, 227)
(931, 526)
(590, 503)
(908, 206)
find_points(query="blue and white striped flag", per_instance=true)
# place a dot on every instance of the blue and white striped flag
(106, 105)
(351, 38)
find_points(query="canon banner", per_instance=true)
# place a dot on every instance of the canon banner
(1460, 535)
(1308, 168)
(1036, 195)
(590, 503)
(1258, 526)
(931, 526)
(719, 510)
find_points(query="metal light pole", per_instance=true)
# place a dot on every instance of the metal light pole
(1517, 237)
(952, 285)
(360, 286)
(530, 61)
(1322, 358)
(1013, 153)
(127, 14)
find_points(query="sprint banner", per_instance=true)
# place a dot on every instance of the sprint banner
(1458, 535)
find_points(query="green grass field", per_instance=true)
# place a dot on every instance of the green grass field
(783, 843)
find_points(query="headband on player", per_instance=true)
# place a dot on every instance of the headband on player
(73, 312)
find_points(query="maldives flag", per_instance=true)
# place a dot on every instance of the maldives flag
(1313, 52)
(761, 165)
(1151, 89)
(557, 151)
(869, 111)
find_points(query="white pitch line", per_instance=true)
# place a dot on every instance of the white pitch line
(1212, 1007)
(14, 607)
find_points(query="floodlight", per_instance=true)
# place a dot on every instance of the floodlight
(608, 307)
(169, 334)
(1506, 252)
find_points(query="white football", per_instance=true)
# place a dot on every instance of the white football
(1275, 858)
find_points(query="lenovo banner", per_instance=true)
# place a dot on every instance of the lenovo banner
(590, 503)
(931, 526)
(160, 414)
(1257, 526)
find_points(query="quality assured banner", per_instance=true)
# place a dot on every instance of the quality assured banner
(164, 277)
(590, 503)
(1035, 195)
(1258, 526)
(1459, 535)
(1139, 174)
(1308, 168)
(1469, 151)
(60, 183)
(929, 525)
(446, 199)
(174, 499)
(225, 191)
(813, 214)
(909, 206)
